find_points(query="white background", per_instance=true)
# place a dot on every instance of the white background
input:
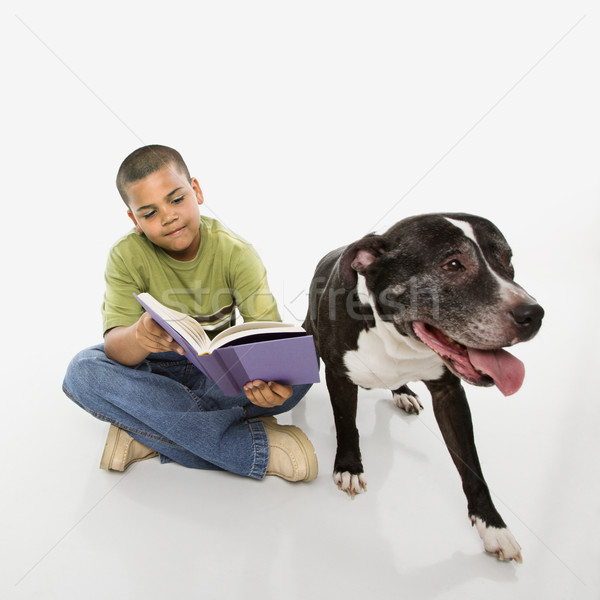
(308, 124)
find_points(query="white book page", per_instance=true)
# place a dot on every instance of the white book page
(245, 329)
(185, 325)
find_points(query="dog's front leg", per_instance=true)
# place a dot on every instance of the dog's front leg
(347, 470)
(454, 419)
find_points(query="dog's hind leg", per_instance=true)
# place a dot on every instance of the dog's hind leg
(348, 471)
(454, 419)
(407, 400)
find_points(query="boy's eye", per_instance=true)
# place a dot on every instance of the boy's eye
(149, 214)
(177, 200)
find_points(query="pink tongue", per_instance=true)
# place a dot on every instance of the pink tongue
(506, 370)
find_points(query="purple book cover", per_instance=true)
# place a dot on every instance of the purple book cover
(287, 360)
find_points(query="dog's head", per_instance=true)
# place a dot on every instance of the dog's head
(447, 281)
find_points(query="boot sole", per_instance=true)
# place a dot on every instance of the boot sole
(110, 448)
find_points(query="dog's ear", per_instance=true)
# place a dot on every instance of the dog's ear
(357, 257)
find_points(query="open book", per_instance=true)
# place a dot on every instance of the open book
(264, 350)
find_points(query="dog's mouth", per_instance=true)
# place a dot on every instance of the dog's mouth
(479, 367)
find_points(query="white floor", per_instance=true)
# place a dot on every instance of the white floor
(307, 126)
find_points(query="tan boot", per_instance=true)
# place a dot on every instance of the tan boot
(121, 450)
(291, 454)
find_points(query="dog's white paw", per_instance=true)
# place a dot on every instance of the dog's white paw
(409, 403)
(350, 483)
(498, 541)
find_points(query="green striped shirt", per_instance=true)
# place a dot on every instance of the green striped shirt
(227, 273)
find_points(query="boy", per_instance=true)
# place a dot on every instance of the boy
(156, 401)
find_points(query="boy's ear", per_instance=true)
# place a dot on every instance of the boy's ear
(196, 187)
(130, 215)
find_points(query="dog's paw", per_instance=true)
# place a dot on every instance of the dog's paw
(351, 483)
(499, 541)
(407, 400)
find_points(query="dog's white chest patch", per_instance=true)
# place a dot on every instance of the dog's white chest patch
(375, 364)
(385, 359)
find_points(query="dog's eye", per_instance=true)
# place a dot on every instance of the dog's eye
(453, 266)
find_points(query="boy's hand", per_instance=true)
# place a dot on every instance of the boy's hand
(153, 338)
(267, 395)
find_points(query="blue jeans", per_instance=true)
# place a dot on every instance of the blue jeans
(170, 406)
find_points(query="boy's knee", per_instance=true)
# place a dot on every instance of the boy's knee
(83, 368)
(298, 392)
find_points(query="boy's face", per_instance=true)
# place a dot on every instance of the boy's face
(164, 207)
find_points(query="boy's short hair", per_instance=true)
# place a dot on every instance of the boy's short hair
(145, 161)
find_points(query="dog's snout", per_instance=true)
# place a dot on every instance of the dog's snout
(528, 318)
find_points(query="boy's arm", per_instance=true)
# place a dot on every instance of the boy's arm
(130, 334)
(131, 345)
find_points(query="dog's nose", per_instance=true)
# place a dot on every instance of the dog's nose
(528, 318)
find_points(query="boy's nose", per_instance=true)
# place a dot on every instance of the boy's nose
(169, 217)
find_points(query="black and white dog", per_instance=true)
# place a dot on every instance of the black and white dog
(433, 299)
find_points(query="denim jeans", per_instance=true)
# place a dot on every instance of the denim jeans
(170, 406)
